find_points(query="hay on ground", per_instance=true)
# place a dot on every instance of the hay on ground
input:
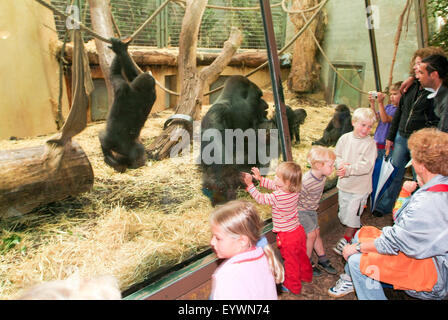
(131, 224)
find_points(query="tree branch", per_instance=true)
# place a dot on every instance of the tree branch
(211, 73)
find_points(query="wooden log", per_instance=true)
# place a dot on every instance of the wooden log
(25, 183)
(169, 57)
(305, 68)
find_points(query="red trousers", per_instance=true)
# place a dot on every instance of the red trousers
(297, 265)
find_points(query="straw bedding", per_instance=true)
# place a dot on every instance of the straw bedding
(130, 224)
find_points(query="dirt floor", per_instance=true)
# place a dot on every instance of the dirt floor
(317, 289)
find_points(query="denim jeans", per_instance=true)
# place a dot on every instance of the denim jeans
(365, 287)
(400, 157)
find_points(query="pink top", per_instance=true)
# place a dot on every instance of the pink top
(245, 276)
(284, 205)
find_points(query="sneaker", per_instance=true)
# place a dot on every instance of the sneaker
(342, 287)
(340, 245)
(327, 267)
(316, 271)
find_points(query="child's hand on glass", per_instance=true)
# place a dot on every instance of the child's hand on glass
(246, 178)
(256, 173)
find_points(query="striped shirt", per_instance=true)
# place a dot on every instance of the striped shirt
(284, 205)
(311, 192)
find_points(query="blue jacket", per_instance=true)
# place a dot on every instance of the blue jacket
(421, 231)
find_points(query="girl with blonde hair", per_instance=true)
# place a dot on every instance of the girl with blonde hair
(251, 269)
(291, 236)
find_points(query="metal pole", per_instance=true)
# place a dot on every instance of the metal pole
(422, 23)
(274, 68)
(371, 27)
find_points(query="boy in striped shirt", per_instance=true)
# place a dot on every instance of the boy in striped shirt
(321, 160)
(291, 237)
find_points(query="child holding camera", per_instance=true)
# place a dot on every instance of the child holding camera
(385, 114)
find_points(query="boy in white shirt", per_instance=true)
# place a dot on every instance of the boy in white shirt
(355, 158)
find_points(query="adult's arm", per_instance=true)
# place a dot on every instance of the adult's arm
(393, 129)
(422, 229)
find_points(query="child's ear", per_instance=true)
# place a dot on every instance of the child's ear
(244, 241)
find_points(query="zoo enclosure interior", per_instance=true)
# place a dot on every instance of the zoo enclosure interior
(345, 42)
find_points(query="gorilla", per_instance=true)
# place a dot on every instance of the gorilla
(295, 119)
(340, 123)
(299, 119)
(134, 97)
(239, 106)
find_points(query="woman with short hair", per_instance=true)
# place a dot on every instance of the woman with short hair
(411, 255)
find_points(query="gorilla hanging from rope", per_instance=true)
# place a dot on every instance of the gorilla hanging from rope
(134, 97)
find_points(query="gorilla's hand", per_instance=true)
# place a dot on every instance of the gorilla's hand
(118, 46)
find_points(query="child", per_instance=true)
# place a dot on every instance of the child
(291, 237)
(321, 160)
(250, 271)
(385, 115)
(355, 159)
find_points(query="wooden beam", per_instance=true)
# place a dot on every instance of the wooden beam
(147, 57)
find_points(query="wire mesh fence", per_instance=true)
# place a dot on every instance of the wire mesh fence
(165, 30)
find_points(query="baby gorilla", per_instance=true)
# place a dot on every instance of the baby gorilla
(134, 97)
(295, 119)
(340, 123)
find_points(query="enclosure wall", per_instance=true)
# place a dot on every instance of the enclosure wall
(347, 42)
(30, 73)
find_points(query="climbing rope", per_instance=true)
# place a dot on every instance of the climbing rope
(149, 20)
(81, 26)
(96, 35)
(281, 51)
(318, 8)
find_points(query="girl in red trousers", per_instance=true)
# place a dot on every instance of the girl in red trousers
(291, 237)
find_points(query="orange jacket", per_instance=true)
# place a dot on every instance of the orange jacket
(401, 271)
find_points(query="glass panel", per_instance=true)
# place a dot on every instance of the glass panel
(344, 74)
(99, 103)
(343, 92)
